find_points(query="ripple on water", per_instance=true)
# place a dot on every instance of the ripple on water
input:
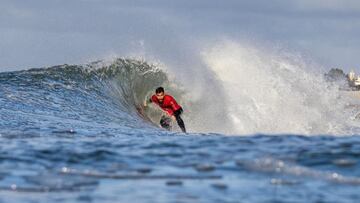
(174, 183)
(219, 186)
(205, 167)
(345, 162)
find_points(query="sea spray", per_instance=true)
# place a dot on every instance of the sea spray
(270, 92)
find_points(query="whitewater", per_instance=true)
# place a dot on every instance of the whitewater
(262, 127)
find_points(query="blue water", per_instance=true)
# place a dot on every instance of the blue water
(75, 134)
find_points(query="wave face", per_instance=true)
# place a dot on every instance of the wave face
(71, 95)
(78, 133)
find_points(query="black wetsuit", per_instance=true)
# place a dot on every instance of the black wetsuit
(165, 121)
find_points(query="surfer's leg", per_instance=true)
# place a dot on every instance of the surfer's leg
(179, 120)
(181, 123)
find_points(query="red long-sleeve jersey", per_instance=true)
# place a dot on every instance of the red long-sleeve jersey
(169, 104)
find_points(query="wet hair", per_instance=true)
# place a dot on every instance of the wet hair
(159, 90)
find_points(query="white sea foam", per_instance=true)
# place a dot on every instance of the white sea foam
(268, 91)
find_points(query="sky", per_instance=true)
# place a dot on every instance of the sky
(50, 32)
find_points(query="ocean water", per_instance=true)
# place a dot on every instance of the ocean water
(78, 133)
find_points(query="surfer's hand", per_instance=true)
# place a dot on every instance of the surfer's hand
(145, 103)
(173, 117)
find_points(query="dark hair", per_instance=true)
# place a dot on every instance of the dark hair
(159, 90)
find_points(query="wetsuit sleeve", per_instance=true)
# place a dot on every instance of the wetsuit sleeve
(152, 99)
(174, 105)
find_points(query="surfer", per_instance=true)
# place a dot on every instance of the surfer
(170, 106)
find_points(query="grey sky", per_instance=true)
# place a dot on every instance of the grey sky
(49, 32)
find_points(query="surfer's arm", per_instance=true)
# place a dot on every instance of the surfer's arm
(147, 101)
(173, 105)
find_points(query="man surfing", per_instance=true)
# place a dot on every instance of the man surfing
(168, 104)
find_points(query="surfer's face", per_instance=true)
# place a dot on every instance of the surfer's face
(160, 96)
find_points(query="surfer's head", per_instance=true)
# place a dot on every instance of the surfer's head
(160, 93)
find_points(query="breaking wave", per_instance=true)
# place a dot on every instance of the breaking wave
(240, 90)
